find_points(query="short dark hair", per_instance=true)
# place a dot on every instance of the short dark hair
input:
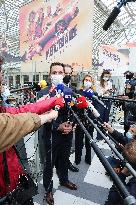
(67, 65)
(56, 63)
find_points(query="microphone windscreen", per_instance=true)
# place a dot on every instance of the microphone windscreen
(88, 93)
(68, 94)
(82, 103)
(115, 12)
(59, 103)
(60, 88)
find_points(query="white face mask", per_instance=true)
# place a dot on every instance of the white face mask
(57, 79)
(129, 135)
(87, 84)
(105, 78)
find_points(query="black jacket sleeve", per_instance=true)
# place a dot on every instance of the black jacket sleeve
(119, 137)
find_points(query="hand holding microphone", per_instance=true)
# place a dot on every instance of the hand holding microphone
(48, 116)
(108, 127)
(65, 128)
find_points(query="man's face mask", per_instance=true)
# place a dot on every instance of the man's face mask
(106, 78)
(87, 84)
(67, 79)
(129, 76)
(56, 79)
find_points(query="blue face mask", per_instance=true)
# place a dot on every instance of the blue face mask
(129, 135)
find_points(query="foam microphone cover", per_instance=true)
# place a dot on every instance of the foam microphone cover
(59, 103)
(88, 93)
(82, 103)
(60, 88)
(68, 93)
(115, 12)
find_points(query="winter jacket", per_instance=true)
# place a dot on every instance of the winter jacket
(119, 137)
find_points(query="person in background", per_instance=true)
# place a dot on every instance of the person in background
(68, 73)
(104, 88)
(43, 84)
(5, 93)
(87, 83)
(129, 93)
(67, 81)
(129, 152)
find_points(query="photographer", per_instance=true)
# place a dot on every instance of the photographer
(119, 137)
(129, 85)
(129, 112)
(129, 152)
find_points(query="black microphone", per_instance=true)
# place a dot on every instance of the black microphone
(115, 12)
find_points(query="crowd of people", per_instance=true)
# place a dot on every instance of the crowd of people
(50, 114)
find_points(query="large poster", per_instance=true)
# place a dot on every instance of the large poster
(114, 58)
(56, 30)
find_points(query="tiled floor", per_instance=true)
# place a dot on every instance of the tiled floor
(93, 184)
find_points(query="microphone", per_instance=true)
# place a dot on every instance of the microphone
(65, 91)
(115, 12)
(68, 94)
(82, 103)
(90, 94)
(93, 110)
(60, 88)
(59, 103)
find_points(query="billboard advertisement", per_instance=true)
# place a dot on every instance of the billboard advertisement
(114, 58)
(56, 31)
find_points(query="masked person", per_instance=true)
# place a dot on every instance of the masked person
(129, 152)
(68, 74)
(87, 84)
(122, 140)
(104, 89)
(59, 136)
(67, 81)
(119, 137)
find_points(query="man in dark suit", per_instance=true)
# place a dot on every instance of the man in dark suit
(58, 139)
(67, 81)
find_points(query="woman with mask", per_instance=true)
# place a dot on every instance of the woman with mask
(87, 83)
(104, 88)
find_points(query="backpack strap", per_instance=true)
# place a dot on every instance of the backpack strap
(6, 171)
